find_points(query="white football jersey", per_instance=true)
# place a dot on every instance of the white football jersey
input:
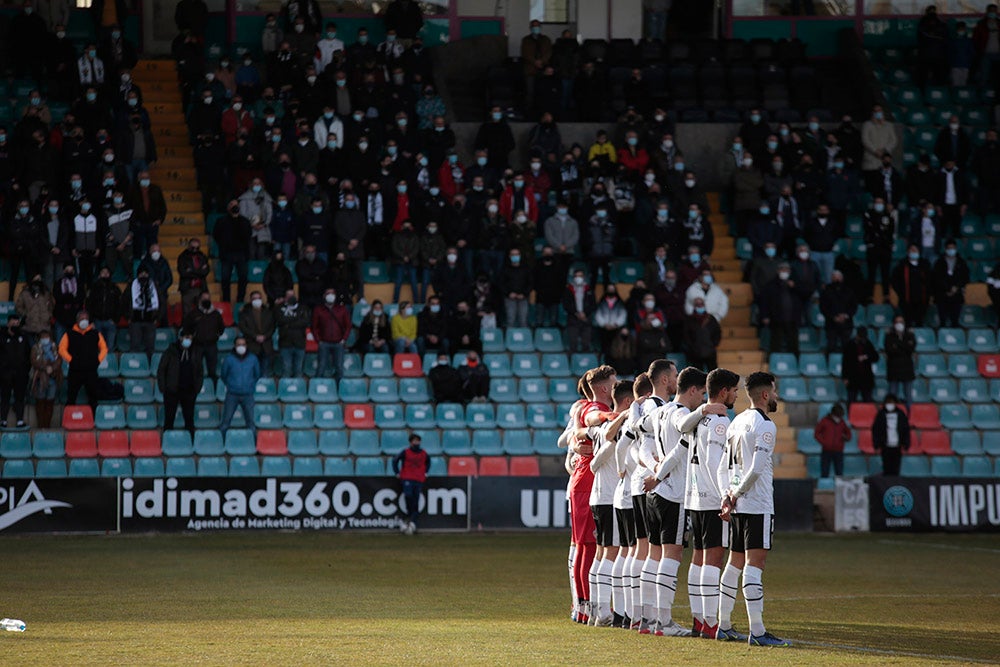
(603, 466)
(668, 439)
(751, 434)
(701, 490)
(625, 459)
(643, 449)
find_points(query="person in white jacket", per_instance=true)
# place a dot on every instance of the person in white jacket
(716, 301)
(878, 137)
(327, 124)
(326, 49)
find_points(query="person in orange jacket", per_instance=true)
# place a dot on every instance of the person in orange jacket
(83, 348)
(831, 433)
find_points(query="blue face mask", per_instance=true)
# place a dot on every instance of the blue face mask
(85, 208)
(350, 204)
(76, 184)
(518, 184)
(331, 145)
(765, 210)
(282, 203)
(813, 126)
(362, 39)
(772, 145)
(331, 35)
(699, 310)
(435, 191)
(256, 189)
(838, 165)
(708, 280)
(23, 210)
(632, 141)
(435, 308)
(391, 150)
(692, 215)
(695, 258)
(662, 213)
(737, 146)
(453, 159)
(423, 162)
(91, 97)
(328, 115)
(497, 115)
(755, 118)
(401, 189)
(914, 256)
(535, 30)
(481, 161)
(678, 166)
(770, 252)
(341, 83)
(515, 259)
(317, 209)
(929, 213)
(951, 252)
(879, 208)
(275, 138)
(601, 213)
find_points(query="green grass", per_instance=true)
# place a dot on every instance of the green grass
(326, 598)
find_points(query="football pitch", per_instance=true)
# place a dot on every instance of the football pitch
(494, 599)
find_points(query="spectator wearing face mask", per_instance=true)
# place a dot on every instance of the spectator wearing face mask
(70, 293)
(240, 372)
(838, 303)
(562, 233)
(716, 301)
(697, 230)
(780, 309)
(516, 286)
(549, 278)
(46, 376)
(475, 378)
(900, 345)
(446, 384)
(35, 305)
(610, 317)
(192, 269)
(880, 239)
(603, 235)
(205, 322)
(26, 237)
(403, 327)
(763, 270)
(859, 359)
(748, 188)
(702, 335)
(579, 304)
(652, 342)
(806, 275)
(257, 326)
(832, 432)
(891, 435)
(878, 136)
(104, 303)
(496, 139)
(349, 233)
(950, 276)
(405, 259)
(464, 329)
(292, 319)
(179, 377)
(911, 280)
(83, 348)
(432, 328)
(331, 325)
(15, 349)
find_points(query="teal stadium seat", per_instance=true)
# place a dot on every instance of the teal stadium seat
(334, 443)
(511, 416)
(783, 364)
(48, 445)
(364, 443)
(952, 340)
(855, 466)
(239, 442)
(244, 466)
(945, 466)
(941, 390)
(338, 466)
(266, 391)
(835, 363)
(581, 362)
(18, 468)
(50, 468)
(439, 468)
(84, 468)
(414, 390)
(370, 466)
(138, 390)
(164, 337)
(420, 416)
(915, 466)
(986, 417)
(352, 367)
(456, 442)
(133, 365)
(276, 466)
(116, 467)
(307, 466)
(394, 441)
(517, 442)
(431, 441)
(965, 443)
(963, 366)
(208, 416)
(324, 390)
(293, 390)
(267, 415)
(534, 390)
(926, 339)
(545, 442)
(974, 390)
(811, 340)
(302, 443)
(15, 445)
(519, 340)
(377, 365)
(542, 415)
(549, 340)
(806, 443)
(208, 443)
(499, 365)
(526, 365)
(389, 416)
(487, 443)
(352, 390)
(108, 367)
(555, 365)
(450, 415)
(181, 467)
(207, 393)
(503, 390)
(375, 272)
(297, 416)
(932, 365)
(177, 443)
(824, 389)
(328, 416)
(492, 340)
(794, 390)
(955, 416)
(480, 416)
(982, 340)
(976, 466)
(384, 390)
(149, 467)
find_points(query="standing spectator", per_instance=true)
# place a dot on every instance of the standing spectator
(781, 310)
(578, 302)
(331, 325)
(475, 378)
(293, 318)
(951, 275)
(496, 138)
(536, 52)
(838, 303)
(891, 435)
(411, 466)
(191, 15)
(986, 167)
(924, 229)
(256, 206)
(311, 271)
(952, 200)
(515, 285)
(179, 377)
(403, 327)
(859, 360)
(763, 270)
(831, 433)
(26, 240)
(104, 303)
(670, 299)
(764, 229)
(46, 376)
(257, 326)
(450, 281)
(15, 350)
(748, 187)
(610, 317)
(144, 312)
(405, 257)
(349, 232)
(192, 269)
(603, 234)
(932, 49)
(405, 18)
(35, 305)
(880, 238)
(702, 335)
(786, 211)
(887, 184)
(70, 298)
(160, 274)
(232, 235)
(878, 137)
(57, 230)
(953, 144)
(822, 235)
(550, 278)
(716, 301)
(83, 348)
(118, 243)
(993, 281)
(205, 323)
(240, 372)
(697, 230)
(911, 281)
(149, 209)
(432, 327)
(806, 276)
(986, 43)
(960, 54)
(900, 344)
(433, 249)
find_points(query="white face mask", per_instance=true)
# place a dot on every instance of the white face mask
(890, 407)
(241, 350)
(408, 311)
(578, 281)
(330, 298)
(783, 275)
(452, 257)
(84, 324)
(803, 256)
(257, 303)
(899, 327)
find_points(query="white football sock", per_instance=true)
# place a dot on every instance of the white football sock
(647, 588)
(604, 590)
(710, 594)
(636, 589)
(694, 592)
(626, 609)
(618, 585)
(666, 588)
(569, 564)
(728, 589)
(595, 585)
(753, 594)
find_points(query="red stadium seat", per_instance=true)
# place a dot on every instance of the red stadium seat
(112, 443)
(862, 415)
(272, 443)
(524, 466)
(359, 415)
(175, 315)
(407, 366)
(146, 443)
(462, 466)
(925, 416)
(493, 466)
(935, 443)
(865, 441)
(226, 309)
(989, 365)
(78, 418)
(311, 344)
(81, 445)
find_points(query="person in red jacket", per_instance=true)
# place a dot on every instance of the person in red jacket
(331, 325)
(234, 119)
(411, 466)
(831, 433)
(633, 157)
(519, 196)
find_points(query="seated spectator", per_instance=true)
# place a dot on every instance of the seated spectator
(622, 352)
(602, 151)
(516, 287)
(702, 335)
(610, 317)
(485, 300)
(374, 334)
(446, 383)
(292, 320)
(859, 359)
(578, 302)
(404, 329)
(475, 378)
(692, 267)
(716, 301)
(652, 342)
(900, 344)
(838, 303)
(832, 432)
(950, 275)
(780, 309)
(632, 156)
(432, 327)
(205, 323)
(463, 329)
(891, 435)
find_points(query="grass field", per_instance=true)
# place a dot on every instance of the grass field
(322, 598)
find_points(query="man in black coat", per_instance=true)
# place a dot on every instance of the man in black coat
(891, 435)
(495, 137)
(463, 329)
(312, 275)
(838, 304)
(952, 199)
(781, 309)
(880, 237)
(445, 381)
(474, 377)
(911, 280)
(432, 327)
(450, 281)
(858, 359)
(15, 354)
(405, 17)
(950, 276)
(179, 377)
(232, 236)
(986, 167)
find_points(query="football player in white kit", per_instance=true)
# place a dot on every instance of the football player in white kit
(702, 498)
(747, 473)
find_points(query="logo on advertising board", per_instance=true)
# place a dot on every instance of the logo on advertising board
(286, 504)
(898, 503)
(30, 501)
(52, 505)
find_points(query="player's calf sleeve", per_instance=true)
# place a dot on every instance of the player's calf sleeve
(753, 593)
(636, 588)
(618, 585)
(593, 583)
(728, 589)
(710, 594)
(694, 592)
(604, 587)
(647, 588)
(666, 588)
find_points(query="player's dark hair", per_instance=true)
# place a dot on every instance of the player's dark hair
(837, 410)
(690, 377)
(658, 369)
(622, 389)
(719, 380)
(642, 385)
(601, 373)
(757, 380)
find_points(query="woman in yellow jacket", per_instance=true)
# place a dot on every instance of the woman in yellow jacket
(602, 151)
(404, 329)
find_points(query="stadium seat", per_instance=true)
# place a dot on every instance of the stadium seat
(297, 416)
(915, 466)
(806, 442)
(414, 390)
(324, 390)
(333, 443)
(835, 363)
(358, 415)
(924, 416)
(364, 443)
(952, 340)
(932, 365)
(986, 417)
(989, 365)
(267, 415)
(377, 365)
(462, 466)
(555, 365)
(962, 366)
(941, 390)
(955, 416)
(524, 466)
(995, 391)
(238, 442)
(148, 467)
(549, 340)
(109, 367)
(370, 466)
(338, 466)
(503, 390)
(110, 417)
(487, 443)
(307, 466)
(966, 442)
(563, 390)
(982, 340)
(133, 365)
(80, 445)
(824, 390)
(517, 442)
(212, 466)
(518, 340)
(511, 416)
(526, 365)
(328, 416)
(535, 390)
(493, 466)
(51, 468)
(208, 443)
(271, 443)
(811, 340)
(177, 443)
(244, 466)
(78, 418)
(407, 366)
(439, 467)
(353, 390)
(862, 415)
(302, 443)
(945, 466)
(545, 442)
(499, 365)
(855, 466)
(420, 416)
(207, 393)
(15, 445)
(581, 362)
(450, 415)
(972, 390)
(351, 367)
(48, 444)
(84, 468)
(393, 441)
(431, 441)
(926, 339)
(113, 444)
(116, 467)
(492, 340)
(456, 443)
(139, 391)
(209, 416)
(293, 390)
(880, 316)
(934, 442)
(181, 466)
(541, 415)
(276, 466)
(972, 466)
(783, 364)
(480, 415)
(793, 389)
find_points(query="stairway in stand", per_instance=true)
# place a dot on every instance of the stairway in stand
(740, 349)
(174, 170)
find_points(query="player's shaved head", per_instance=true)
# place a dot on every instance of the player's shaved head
(642, 386)
(690, 377)
(720, 380)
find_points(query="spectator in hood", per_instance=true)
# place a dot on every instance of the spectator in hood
(832, 432)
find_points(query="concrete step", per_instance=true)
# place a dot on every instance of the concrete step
(750, 357)
(737, 344)
(170, 109)
(194, 219)
(190, 206)
(734, 331)
(739, 316)
(173, 139)
(182, 197)
(185, 152)
(182, 162)
(797, 472)
(167, 177)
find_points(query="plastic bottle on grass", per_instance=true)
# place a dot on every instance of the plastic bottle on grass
(12, 625)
